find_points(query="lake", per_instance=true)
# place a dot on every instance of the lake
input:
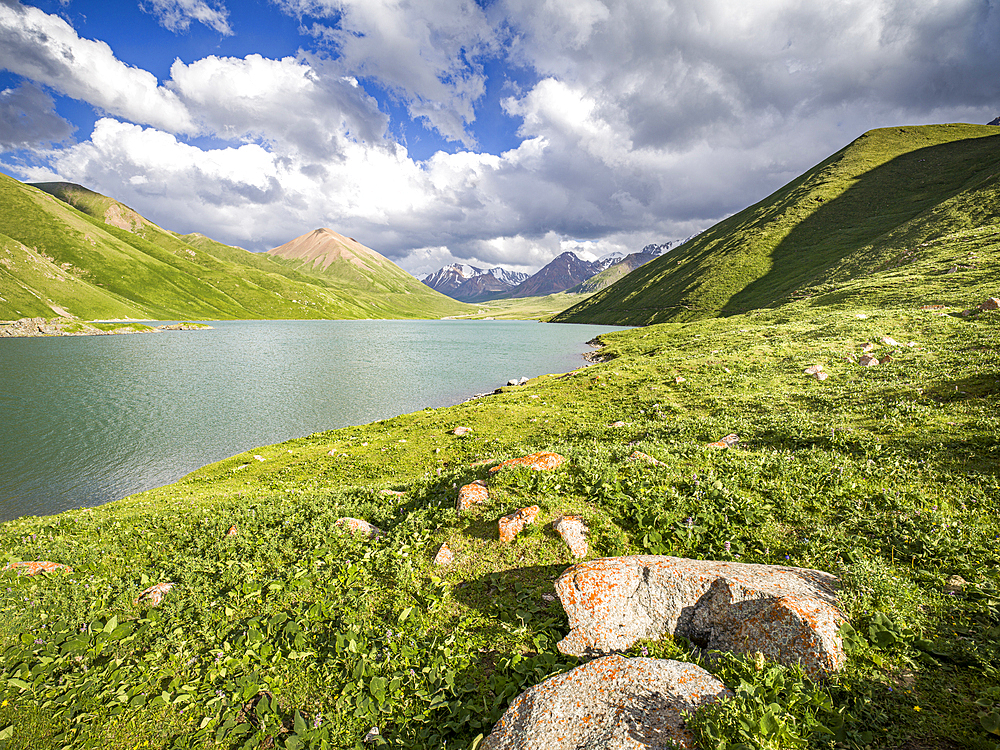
(85, 420)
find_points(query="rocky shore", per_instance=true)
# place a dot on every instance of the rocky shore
(66, 327)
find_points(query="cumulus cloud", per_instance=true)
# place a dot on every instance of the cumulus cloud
(28, 119)
(46, 49)
(176, 15)
(426, 52)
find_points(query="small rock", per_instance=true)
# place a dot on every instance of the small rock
(812, 370)
(514, 381)
(932, 307)
(821, 376)
(541, 461)
(861, 316)
(522, 381)
(885, 360)
(727, 442)
(444, 555)
(154, 594)
(548, 597)
(574, 532)
(680, 380)
(472, 494)
(612, 703)
(967, 313)
(461, 431)
(619, 423)
(955, 585)
(333, 452)
(868, 347)
(232, 531)
(260, 458)
(991, 303)
(372, 736)
(867, 361)
(358, 526)
(512, 524)
(392, 493)
(889, 341)
(645, 458)
(953, 269)
(35, 567)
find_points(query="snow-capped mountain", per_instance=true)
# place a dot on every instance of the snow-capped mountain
(473, 284)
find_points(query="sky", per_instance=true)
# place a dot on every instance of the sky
(490, 132)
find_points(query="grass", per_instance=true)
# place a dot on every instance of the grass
(885, 476)
(523, 308)
(889, 197)
(76, 252)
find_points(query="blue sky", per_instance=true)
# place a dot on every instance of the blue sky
(498, 132)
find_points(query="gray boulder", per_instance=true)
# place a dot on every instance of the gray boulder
(791, 615)
(612, 703)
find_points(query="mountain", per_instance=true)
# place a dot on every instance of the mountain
(896, 201)
(625, 265)
(560, 274)
(69, 251)
(473, 284)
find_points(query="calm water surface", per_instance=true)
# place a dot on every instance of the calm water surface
(85, 420)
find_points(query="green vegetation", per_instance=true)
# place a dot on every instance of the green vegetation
(890, 199)
(65, 250)
(523, 308)
(292, 633)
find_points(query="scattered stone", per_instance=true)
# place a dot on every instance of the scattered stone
(333, 452)
(460, 431)
(991, 303)
(260, 458)
(35, 567)
(645, 458)
(955, 585)
(867, 347)
(372, 736)
(574, 532)
(444, 555)
(791, 615)
(932, 307)
(392, 493)
(357, 526)
(889, 341)
(512, 524)
(885, 360)
(232, 531)
(154, 594)
(541, 461)
(680, 380)
(472, 494)
(867, 361)
(861, 316)
(953, 269)
(619, 423)
(727, 442)
(612, 703)
(813, 369)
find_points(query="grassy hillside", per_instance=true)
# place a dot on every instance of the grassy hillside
(70, 251)
(903, 197)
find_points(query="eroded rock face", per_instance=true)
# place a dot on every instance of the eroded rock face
(541, 461)
(513, 523)
(612, 703)
(791, 615)
(472, 494)
(574, 532)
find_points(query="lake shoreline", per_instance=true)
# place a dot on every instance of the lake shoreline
(40, 327)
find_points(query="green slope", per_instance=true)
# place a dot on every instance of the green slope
(105, 260)
(902, 200)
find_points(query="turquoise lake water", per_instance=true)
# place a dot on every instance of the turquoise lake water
(85, 420)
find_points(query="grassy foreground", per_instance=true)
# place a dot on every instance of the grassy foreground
(291, 633)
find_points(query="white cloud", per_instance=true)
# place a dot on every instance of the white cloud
(426, 52)
(176, 15)
(46, 49)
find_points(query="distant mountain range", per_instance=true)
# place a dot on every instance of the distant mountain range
(68, 251)
(567, 272)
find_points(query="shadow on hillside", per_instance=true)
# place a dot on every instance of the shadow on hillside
(878, 202)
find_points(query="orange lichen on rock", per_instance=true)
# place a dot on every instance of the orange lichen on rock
(358, 526)
(232, 531)
(513, 523)
(541, 461)
(727, 442)
(645, 458)
(36, 566)
(444, 555)
(472, 494)
(612, 703)
(392, 493)
(154, 594)
(790, 614)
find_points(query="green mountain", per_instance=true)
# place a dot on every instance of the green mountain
(898, 215)
(68, 251)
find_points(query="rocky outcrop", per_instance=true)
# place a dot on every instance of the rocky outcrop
(791, 615)
(512, 524)
(573, 531)
(541, 461)
(35, 567)
(472, 494)
(612, 703)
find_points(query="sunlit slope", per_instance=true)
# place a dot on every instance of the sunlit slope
(345, 262)
(66, 250)
(911, 202)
